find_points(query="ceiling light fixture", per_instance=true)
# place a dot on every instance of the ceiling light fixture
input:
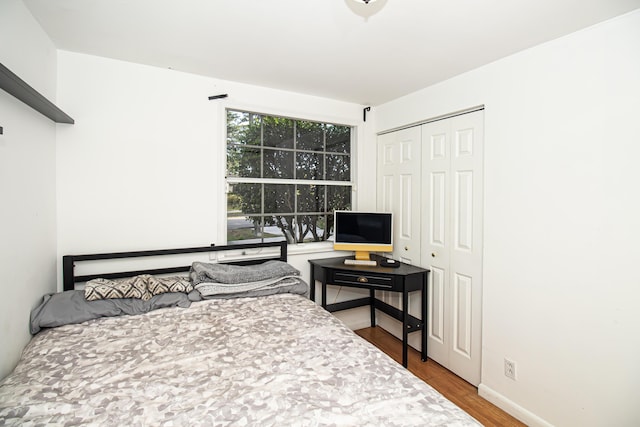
(364, 8)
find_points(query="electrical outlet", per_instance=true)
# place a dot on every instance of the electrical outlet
(509, 369)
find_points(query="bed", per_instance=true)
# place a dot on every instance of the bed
(245, 358)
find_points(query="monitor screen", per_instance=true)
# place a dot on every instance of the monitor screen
(363, 232)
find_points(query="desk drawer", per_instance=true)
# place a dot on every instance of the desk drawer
(362, 280)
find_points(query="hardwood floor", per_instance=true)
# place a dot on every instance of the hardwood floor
(450, 385)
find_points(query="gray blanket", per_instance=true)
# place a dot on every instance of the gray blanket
(231, 281)
(226, 273)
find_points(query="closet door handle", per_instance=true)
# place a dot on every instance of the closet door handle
(433, 254)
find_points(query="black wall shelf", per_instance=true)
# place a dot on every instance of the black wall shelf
(14, 85)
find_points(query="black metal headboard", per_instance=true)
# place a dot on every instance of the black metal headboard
(70, 279)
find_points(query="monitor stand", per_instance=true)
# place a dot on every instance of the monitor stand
(362, 256)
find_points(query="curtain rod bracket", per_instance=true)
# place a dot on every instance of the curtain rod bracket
(364, 113)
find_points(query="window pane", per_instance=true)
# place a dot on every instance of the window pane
(338, 198)
(243, 161)
(244, 204)
(273, 231)
(244, 199)
(310, 136)
(338, 138)
(252, 230)
(244, 229)
(278, 132)
(338, 167)
(309, 166)
(311, 228)
(279, 198)
(243, 128)
(281, 225)
(311, 198)
(278, 164)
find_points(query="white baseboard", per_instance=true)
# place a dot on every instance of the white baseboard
(510, 407)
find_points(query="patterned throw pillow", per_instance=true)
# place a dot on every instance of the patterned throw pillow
(161, 285)
(134, 287)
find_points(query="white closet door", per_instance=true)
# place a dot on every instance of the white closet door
(436, 208)
(399, 163)
(452, 240)
(399, 190)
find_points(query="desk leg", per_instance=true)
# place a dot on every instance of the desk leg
(405, 325)
(324, 292)
(372, 304)
(312, 284)
(425, 321)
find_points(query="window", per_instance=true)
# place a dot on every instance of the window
(285, 177)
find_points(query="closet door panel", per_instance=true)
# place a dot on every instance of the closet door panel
(466, 252)
(399, 161)
(436, 315)
(452, 242)
(463, 211)
(462, 315)
(387, 192)
(436, 193)
(437, 209)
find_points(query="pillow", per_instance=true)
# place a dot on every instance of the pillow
(133, 287)
(161, 285)
(71, 307)
(194, 295)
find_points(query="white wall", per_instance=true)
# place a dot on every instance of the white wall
(562, 216)
(27, 181)
(143, 167)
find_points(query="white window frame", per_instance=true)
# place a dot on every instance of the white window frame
(293, 248)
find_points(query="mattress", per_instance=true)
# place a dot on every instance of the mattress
(268, 361)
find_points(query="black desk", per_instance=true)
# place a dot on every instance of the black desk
(404, 279)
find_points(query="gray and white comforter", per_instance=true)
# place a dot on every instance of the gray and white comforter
(269, 361)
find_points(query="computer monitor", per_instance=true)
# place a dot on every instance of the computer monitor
(363, 232)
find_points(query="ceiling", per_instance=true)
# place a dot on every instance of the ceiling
(338, 49)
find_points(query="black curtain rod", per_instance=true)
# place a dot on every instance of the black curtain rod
(224, 95)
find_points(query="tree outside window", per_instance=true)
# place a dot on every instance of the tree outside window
(285, 177)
